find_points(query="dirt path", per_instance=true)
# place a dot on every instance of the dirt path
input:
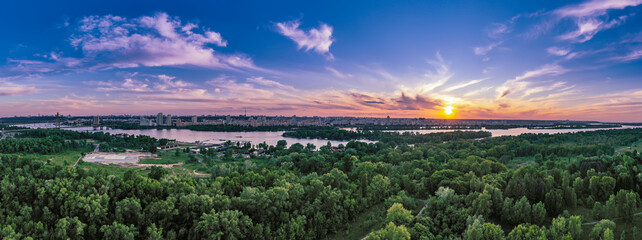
(200, 174)
(78, 160)
(422, 209)
(141, 165)
(592, 223)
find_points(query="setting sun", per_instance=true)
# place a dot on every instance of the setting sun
(448, 110)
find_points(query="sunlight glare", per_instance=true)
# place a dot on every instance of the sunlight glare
(448, 110)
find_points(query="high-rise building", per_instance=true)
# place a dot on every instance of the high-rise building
(159, 119)
(228, 119)
(194, 119)
(146, 122)
(96, 122)
(168, 121)
(293, 120)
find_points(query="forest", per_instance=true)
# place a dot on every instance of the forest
(383, 136)
(583, 185)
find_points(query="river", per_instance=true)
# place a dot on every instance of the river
(516, 131)
(271, 138)
(186, 135)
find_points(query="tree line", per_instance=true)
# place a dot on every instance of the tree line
(384, 136)
(299, 192)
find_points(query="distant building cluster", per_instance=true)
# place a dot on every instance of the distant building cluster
(165, 120)
(169, 120)
(255, 121)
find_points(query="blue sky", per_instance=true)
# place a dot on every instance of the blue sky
(577, 60)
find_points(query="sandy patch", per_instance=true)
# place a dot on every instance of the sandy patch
(107, 158)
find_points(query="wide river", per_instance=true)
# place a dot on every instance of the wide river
(271, 138)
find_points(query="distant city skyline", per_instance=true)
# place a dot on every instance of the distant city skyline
(544, 60)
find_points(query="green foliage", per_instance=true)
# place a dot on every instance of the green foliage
(486, 231)
(154, 233)
(297, 193)
(601, 187)
(406, 137)
(603, 230)
(399, 215)
(527, 232)
(157, 172)
(554, 202)
(118, 231)
(390, 232)
(538, 214)
(69, 228)
(566, 228)
(224, 225)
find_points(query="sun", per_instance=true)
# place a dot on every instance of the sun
(448, 110)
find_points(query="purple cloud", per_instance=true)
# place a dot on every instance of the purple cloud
(152, 41)
(317, 39)
(16, 90)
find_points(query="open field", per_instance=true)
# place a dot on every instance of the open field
(65, 158)
(365, 223)
(165, 157)
(127, 157)
(635, 146)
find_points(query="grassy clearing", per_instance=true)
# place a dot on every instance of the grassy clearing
(366, 222)
(621, 225)
(519, 161)
(65, 158)
(635, 146)
(111, 169)
(167, 158)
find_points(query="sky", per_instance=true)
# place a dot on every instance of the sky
(558, 60)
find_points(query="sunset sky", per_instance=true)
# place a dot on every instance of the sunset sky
(577, 60)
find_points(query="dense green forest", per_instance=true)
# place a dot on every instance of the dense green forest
(582, 185)
(406, 137)
(10, 127)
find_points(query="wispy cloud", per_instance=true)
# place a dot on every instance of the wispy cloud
(166, 81)
(546, 70)
(72, 103)
(269, 83)
(595, 7)
(557, 51)
(590, 17)
(434, 79)
(477, 91)
(463, 85)
(316, 39)
(587, 28)
(499, 29)
(16, 90)
(483, 50)
(338, 74)
(227, 86)
(8, 88)
(633, 55)
(518, 84)
(129, 85)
